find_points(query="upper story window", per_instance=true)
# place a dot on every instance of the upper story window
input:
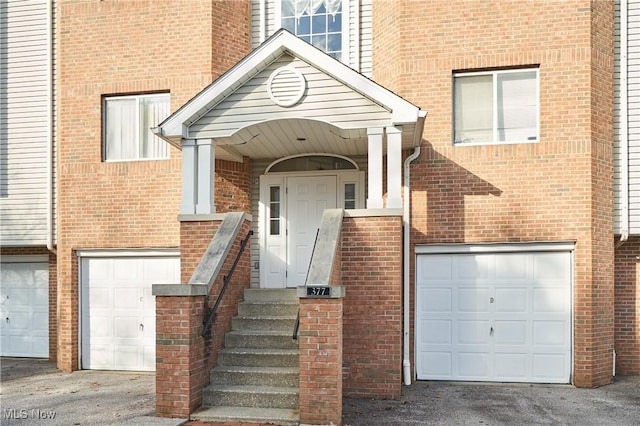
(127, 123)
(318, 22)
(496, 106)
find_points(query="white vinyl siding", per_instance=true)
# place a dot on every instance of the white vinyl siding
(632, 119)
(326, 100)
(25, 99)
(128, 121)
(357, 14)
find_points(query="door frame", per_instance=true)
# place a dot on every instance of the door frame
(280, 179)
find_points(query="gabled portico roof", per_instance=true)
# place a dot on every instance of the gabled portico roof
(240, 109)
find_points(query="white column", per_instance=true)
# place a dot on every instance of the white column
(394, 167)
(374, 178)
(205, 177)
(189, 166)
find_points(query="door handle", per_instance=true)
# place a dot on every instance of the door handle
(491, 332)
(141, 327)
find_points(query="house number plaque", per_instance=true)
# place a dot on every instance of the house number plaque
(318, 291)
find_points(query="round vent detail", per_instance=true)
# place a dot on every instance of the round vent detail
(286, 86)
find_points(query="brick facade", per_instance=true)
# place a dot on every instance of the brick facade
(128, 47)
(627, 307)
(372, 276)
(559, 189)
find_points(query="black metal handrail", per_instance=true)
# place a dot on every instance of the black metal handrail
(210, 314)
(296, 326)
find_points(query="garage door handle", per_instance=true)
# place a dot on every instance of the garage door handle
(7, 320)
(491, 332)
(141, 327)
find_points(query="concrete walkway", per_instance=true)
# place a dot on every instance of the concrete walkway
(33, 392)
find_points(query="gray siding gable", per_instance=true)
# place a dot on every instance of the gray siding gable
(325, 99)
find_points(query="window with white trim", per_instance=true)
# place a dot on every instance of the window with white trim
(318, 22)
(127, 127)
(496, 106)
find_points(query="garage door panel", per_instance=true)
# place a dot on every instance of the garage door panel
(472, 332)
(125, 327)
(474, 365)
(511, 367)
(437, 364)
(511, 300)
(436, 332)
(511, 333)
(125, 298)
(550, 367)
(473, 300)
(438, 300)
(550, 333)
(510, 317)
(440, 268)
(550, 299)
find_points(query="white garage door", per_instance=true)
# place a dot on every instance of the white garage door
(502, 317)
(118, 310)
(24, 309)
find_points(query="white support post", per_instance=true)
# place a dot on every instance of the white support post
(205, 177)
(394, 167)
(374, 199)
(189, 167)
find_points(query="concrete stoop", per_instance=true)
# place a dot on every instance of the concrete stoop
(257, 377)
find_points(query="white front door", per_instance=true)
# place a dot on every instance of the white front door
(308, 197)
(503, 317)
(118, 310)
(24, 309)
(292, 208)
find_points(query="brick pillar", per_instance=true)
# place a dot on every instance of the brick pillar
(181, 370)
(320, 344)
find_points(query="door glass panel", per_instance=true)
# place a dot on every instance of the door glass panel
(312, 163)
(350, 196)
(274, 210)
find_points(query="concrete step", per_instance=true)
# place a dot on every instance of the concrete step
(268, 308)
(250, 396)
(250, 357)
(266, 323)
(220, 414)
(260, 339)
(265, 376)
(270, 295)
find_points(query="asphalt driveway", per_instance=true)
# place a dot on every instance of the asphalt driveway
(33, 392)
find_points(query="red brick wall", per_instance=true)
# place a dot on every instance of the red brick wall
(321, 357)
(558, 189)
(627, 307)
(118, 48)
(233, 186)
(184, 357)
(53, 307)
(372, 275)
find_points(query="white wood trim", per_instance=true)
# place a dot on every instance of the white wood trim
(31, 258)
(374, 200)
(205, 178)
(188, 203)
(494, 247)
(131, 252)
(394, 167)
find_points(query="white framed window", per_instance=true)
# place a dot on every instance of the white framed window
(499, 106)
(322, 23)
(127, 123)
